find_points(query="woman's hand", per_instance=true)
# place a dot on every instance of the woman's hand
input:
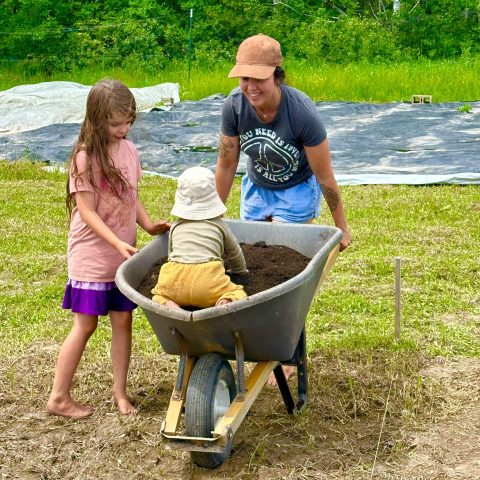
(346, 239)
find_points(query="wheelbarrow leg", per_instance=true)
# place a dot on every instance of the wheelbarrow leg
(283, 387)
(240, 359)
(300, 361)
(302, 373)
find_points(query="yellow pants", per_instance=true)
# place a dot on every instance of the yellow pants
(195, 284)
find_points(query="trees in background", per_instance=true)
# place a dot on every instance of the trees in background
(52, 35)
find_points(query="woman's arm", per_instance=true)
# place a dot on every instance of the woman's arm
(86, 209)
(227, 163)
(143, 219)
(321, 165)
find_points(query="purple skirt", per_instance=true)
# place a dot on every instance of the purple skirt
(95, 298)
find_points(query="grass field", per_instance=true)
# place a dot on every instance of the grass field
(445, 80)
(433, 229)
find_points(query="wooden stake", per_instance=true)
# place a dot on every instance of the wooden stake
(398, 305)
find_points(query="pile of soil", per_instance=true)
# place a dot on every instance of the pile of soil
(268, 266)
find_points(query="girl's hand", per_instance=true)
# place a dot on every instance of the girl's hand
(125, 249)
(153, 228)
(156, 228)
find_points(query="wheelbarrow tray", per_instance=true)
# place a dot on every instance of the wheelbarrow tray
(269, 323)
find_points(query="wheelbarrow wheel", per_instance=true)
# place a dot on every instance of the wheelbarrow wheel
(211, 390)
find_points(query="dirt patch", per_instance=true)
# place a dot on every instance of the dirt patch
(268, 266)
(382, 416)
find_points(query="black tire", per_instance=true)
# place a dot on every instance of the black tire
(211, 389)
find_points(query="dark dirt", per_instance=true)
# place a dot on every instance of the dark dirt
(268, 266)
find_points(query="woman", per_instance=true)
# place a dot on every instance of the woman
(279, 129)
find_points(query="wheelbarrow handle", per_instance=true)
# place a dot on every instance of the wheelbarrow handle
(332, 256)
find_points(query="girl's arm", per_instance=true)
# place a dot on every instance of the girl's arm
(227, 162)
(86, 209)
(321, 165)
(153, 228)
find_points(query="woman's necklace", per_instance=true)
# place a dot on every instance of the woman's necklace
(266, 116)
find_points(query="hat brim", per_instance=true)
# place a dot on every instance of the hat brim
(261, 72)
(199, 211)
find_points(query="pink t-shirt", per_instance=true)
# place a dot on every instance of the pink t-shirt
(90, 258)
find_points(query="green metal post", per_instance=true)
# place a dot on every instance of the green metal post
(190, 46)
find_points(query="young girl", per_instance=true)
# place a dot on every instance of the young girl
(104, 209)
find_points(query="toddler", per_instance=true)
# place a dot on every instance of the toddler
(195, 274)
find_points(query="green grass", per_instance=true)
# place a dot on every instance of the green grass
(433, 229)
(445, 80)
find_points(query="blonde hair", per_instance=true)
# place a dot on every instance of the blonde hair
(105, 99)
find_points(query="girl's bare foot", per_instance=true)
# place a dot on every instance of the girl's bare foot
(288, 371)
(124, 406)
(67, 407)
(223, 301)
(172, 304)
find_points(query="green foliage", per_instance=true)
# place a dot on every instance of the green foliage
(49, 36)
(350, 39)
(440, 28)
(465, 109)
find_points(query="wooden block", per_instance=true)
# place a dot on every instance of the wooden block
(421, 99)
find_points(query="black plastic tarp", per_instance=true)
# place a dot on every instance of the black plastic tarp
(370, 143)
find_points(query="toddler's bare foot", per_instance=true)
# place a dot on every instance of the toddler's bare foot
(288, 371)
(67, 407)
(124, 406)
(172, 304)
(223, 301)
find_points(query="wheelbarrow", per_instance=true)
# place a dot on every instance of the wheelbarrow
(267, 328)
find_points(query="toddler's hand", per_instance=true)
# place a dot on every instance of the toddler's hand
(243, 272)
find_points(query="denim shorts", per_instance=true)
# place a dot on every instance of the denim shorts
(297, 204)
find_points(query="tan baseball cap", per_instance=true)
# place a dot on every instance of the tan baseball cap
(257, 57)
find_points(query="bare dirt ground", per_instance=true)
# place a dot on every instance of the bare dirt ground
(384, 417)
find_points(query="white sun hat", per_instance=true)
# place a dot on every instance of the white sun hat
(196, 197)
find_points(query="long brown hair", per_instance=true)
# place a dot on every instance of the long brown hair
(105, 99)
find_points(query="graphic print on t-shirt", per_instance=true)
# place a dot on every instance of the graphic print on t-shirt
(273, 158)
(114, 210)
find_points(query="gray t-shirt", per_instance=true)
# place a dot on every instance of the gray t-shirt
(277, 158)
